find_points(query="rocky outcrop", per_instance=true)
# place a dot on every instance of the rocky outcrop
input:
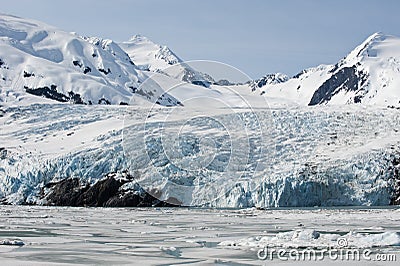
(104, 193)
(53, 94)
(395, 173)
(347, 79)
(98, 194)
(268, 79)
(65, 192)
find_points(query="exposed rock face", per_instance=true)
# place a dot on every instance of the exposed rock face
(3, 153)
(99, 193)
(224, 82)
(65, 193)
(197, 78)
(347, 79)
(268, 79)
(395, 171)
(52, 93)
(104, 193)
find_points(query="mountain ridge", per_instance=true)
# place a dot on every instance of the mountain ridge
(40, 60)
(369, 74)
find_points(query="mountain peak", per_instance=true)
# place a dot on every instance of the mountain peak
(149, 55)
(365, 48)
(371, 41)
(139, 38)
(378, 34)
(40, 60)
(269, 79)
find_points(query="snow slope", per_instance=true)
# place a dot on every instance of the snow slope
(370, 74)
(44, 61)
(160, 59)
(149, 56)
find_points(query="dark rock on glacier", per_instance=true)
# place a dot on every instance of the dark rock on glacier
(395, 173)
(99, 193)
(3, 153)
(65, 192)
(104, 193)
(129, 199)
(139, 199)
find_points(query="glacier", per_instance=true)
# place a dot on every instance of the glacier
(263, 158)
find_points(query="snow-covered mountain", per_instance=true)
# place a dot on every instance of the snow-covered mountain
(41, 60)
(268, 79)
(149, 56)
(370, 74)
(38, 59)
(156, 58)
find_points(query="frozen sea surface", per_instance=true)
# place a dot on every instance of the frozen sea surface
(152, 236)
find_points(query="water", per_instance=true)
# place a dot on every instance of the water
(153, 236)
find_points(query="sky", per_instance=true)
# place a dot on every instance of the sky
(255, 36)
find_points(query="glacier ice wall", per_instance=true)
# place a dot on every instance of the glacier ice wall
(299, 157)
